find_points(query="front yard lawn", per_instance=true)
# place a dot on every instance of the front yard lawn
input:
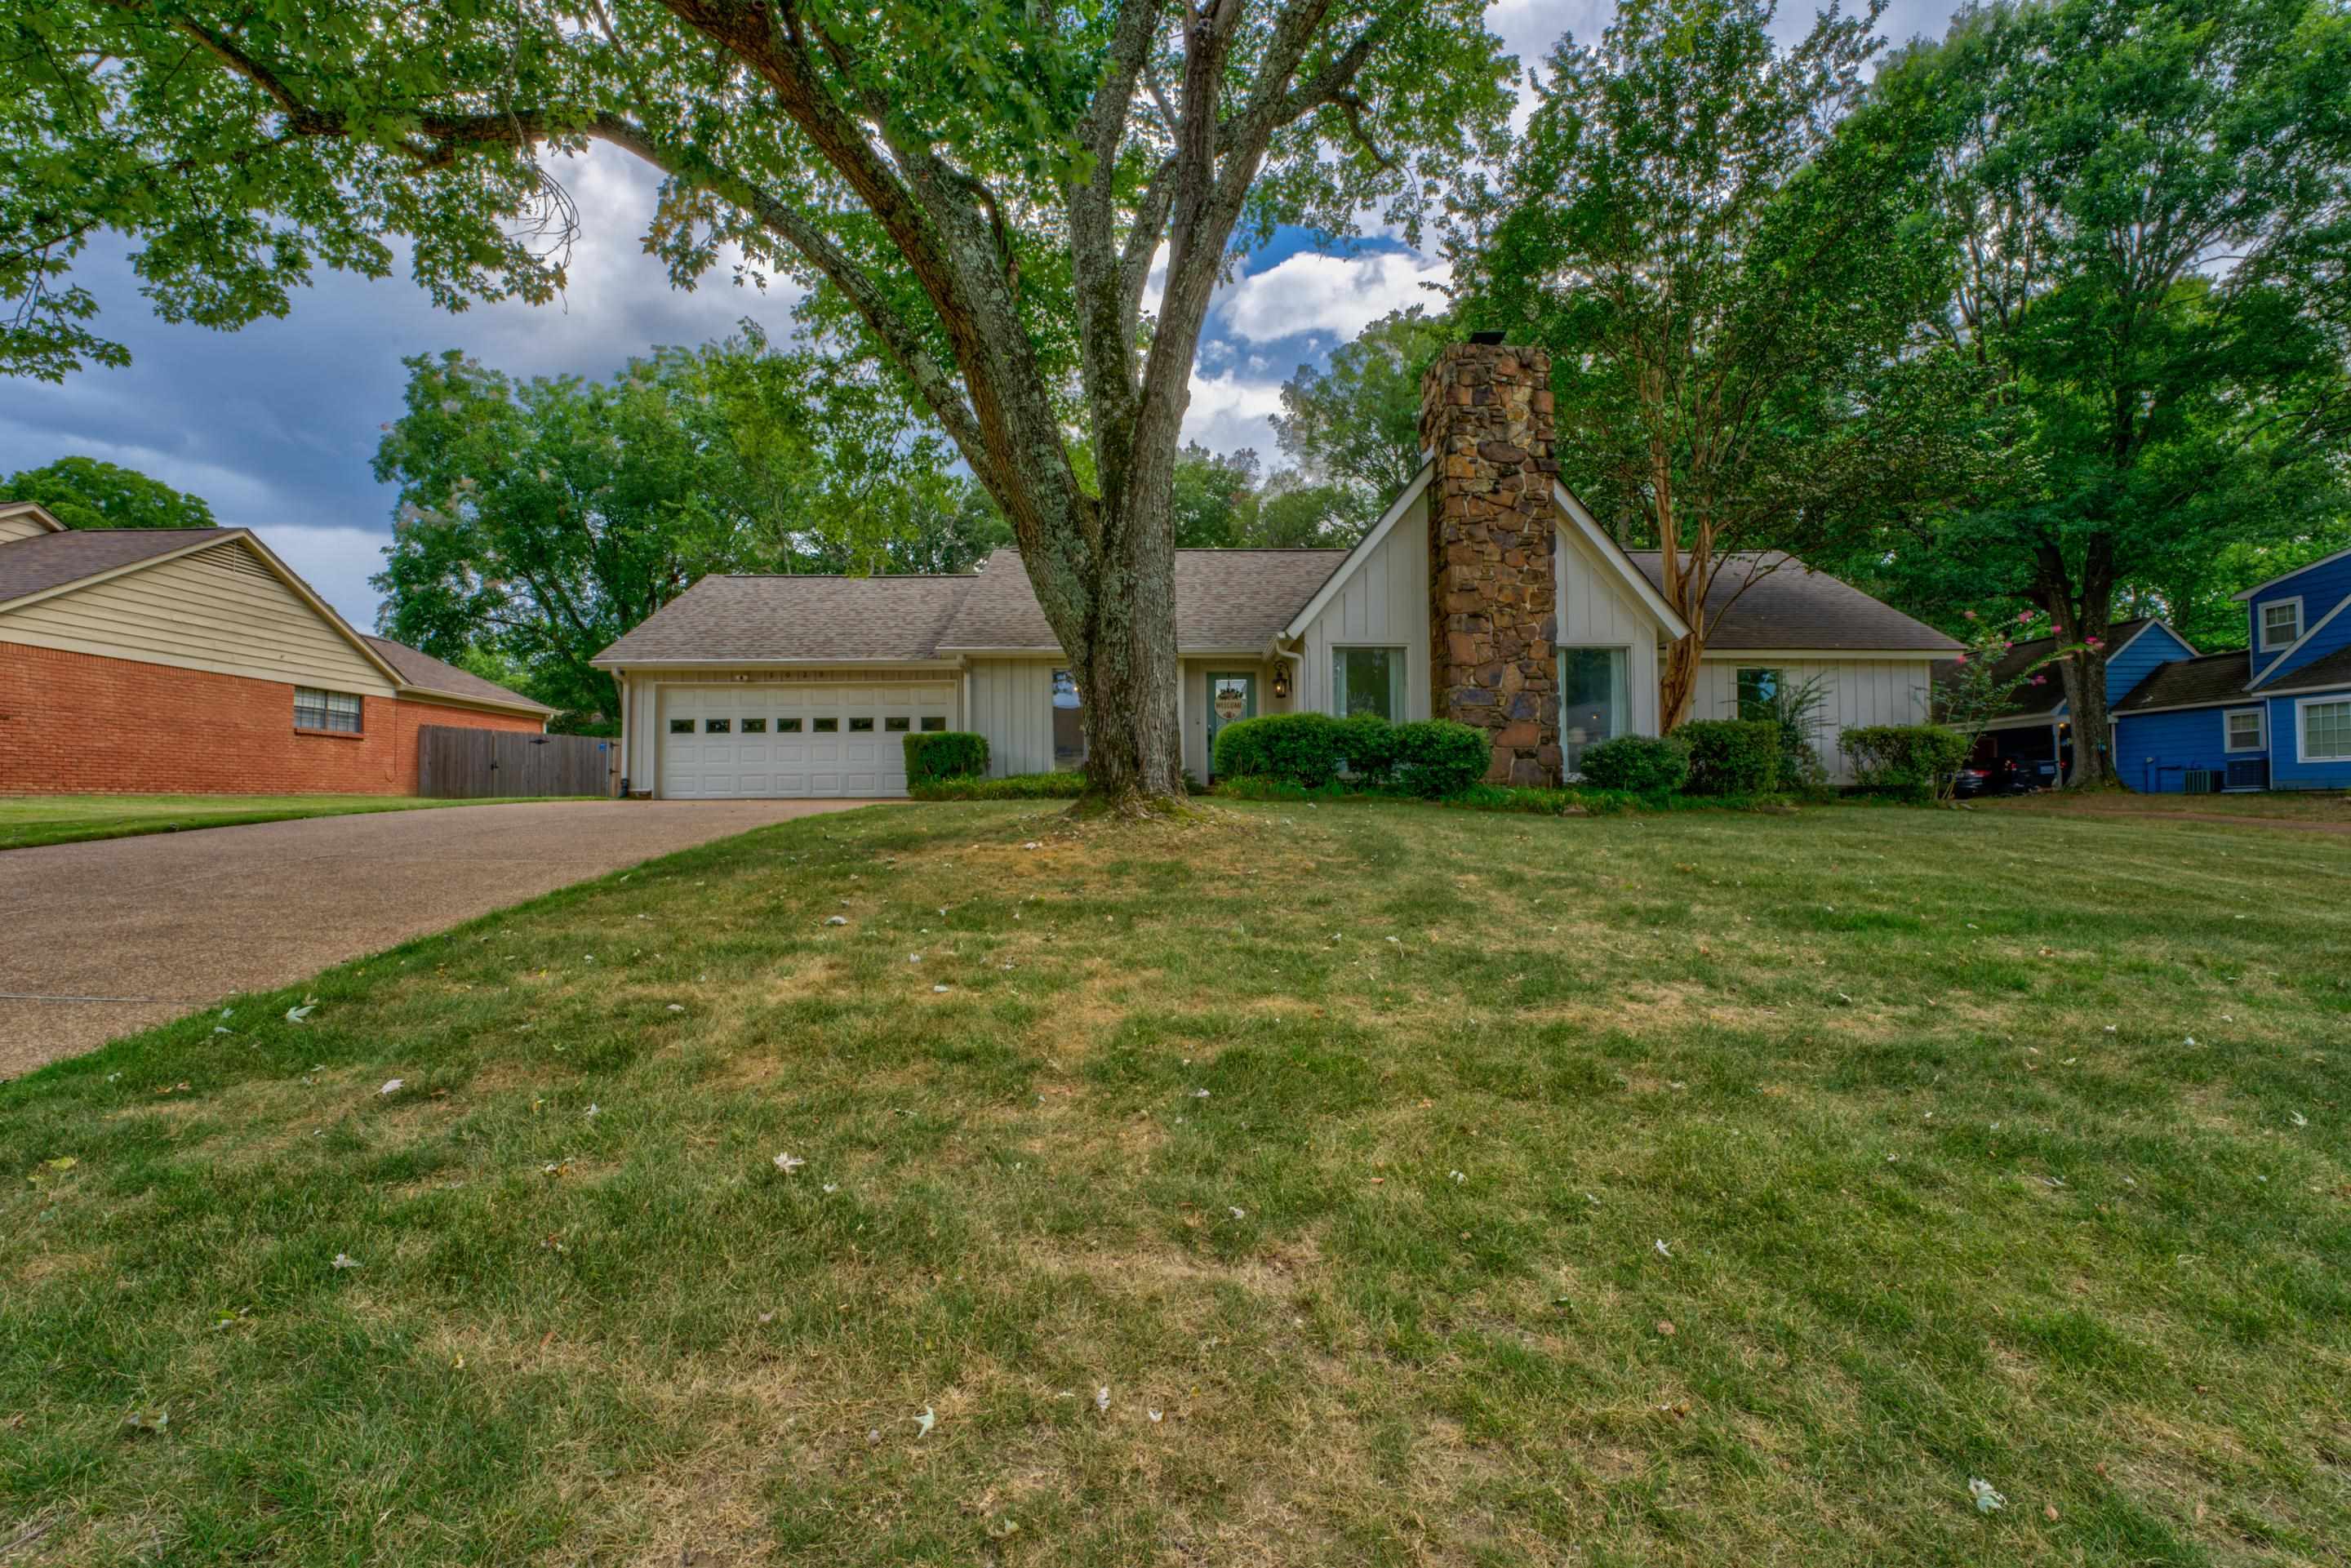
(1366, 1186)
(29, 820)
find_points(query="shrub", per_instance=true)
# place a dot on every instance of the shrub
(945, 753)
(1366, 743)
(1731, 756)
(1909, 759)
(1302, 748)
(1436, 759)
(1641, 764)
(1019, 786)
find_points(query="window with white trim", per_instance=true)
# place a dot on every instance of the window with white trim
(340, 711)
(2246, 730)
(2281, 623)
(1367, 680)
(2325, 729)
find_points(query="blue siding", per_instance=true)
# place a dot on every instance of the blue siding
(2155, 645)
(2287, 771)
(2321, 589)
(2154, 751)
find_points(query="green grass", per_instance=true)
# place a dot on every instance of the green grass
(1982, 1145)
(29, 820)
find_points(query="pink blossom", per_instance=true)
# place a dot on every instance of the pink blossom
(2039, 680)
(2057, 629)
(1961, 660)
(2097, 642)
(1970, 615)
(2024, 615)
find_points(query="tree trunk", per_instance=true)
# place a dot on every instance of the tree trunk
(1128, 671)
(1677, 683)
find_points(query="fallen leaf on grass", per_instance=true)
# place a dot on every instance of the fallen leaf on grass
(1987, 1500)
(391, 1086)
(148, 1420)
(924, 1422)
(344, 1261)
(789, 1164)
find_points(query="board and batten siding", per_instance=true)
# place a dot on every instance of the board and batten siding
(1855, 693)
(219, 609)
(1384, 603)
(1012, 704)
(1595, 611)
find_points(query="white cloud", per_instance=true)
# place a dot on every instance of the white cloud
(1228, 413)
(1337, 294)
(336, 562)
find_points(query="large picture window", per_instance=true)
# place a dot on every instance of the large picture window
(2326, 730)
(1593, 698)
(1069, 723)
(338, 711)
(1368, 680)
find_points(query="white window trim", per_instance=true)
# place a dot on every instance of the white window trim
(2302, 727)
(2260, 717)
(1399, 682)
(2262, 614)
(1623, 720)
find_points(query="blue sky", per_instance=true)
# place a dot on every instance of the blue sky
(275, 425)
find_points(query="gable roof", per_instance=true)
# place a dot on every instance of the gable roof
(2333, 670)
(426, 673)
(2045, 699)
(1767, 599)
(794, 620)
(34, 510)
(2205, 680)
(54, 560)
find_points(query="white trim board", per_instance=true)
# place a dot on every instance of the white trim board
(2302, 727)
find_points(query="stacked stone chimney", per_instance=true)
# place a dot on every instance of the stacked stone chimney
(1485, 417)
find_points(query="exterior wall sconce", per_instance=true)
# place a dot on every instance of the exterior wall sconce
(1282, 680)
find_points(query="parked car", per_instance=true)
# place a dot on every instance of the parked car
(2003, 776)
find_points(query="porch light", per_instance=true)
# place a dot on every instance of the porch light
(1282, 679)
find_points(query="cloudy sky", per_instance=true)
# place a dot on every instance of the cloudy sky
(275, 426)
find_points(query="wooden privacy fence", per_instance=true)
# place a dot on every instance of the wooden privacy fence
(454, 764)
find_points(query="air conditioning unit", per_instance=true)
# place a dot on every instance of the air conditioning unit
(2203, 781)
(2249, 773)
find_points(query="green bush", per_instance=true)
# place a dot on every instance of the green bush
(1019, 786)
(1731, 756)
(1908, 759)
(1366, 743)
(1640, 764)
(1436, 758)
(1302, 748)
(945, 753)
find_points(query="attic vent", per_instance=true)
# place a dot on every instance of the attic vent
(243, 562)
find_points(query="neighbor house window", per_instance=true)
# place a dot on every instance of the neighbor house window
(2281, 623)
(1759, 693)
(1368, 680)
(2326, 730)
(338, 711)
(681, 727)
(1593, 700)
(1069, 723)
(2245, 729)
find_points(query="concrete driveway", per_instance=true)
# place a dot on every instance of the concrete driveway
(109, 937)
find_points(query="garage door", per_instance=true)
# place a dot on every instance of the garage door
(782, 741)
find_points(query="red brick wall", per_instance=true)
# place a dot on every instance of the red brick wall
(73, 724)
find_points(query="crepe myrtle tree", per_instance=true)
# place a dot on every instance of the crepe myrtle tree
(989, 188)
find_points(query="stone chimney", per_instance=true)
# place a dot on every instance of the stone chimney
(1485, 417)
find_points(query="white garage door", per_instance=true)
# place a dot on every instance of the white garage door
(781, 741)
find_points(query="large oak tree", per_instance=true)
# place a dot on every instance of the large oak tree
(986, 187)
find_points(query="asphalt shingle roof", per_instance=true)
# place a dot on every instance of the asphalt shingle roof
(1777, 601)
(428, 674)
(2187, 682)
(2334, 670)
(1224, 600)
(851, 619)
(2032, 701)
(44, 561)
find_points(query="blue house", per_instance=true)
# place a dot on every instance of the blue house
(2275, 715)
(2038, 728)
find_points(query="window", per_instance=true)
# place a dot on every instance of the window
(1758, 691)
(2325, 729)
(716, 726)
(755, 727)
(787, 727)
(2245, 729)
(935, 724)
(1069, 723)
(681, 727)
(338, 711)
(897, 726)
(1367, 680)
(861, 726)
(2281, 623)
(825, 726)
(1593, 700)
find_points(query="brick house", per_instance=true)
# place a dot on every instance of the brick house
(1486, 594)
(193, 661)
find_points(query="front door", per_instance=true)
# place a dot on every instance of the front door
(1231, 698)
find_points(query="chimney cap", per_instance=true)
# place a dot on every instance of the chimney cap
(1486, 339)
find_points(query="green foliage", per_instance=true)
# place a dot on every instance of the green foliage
(1638, 764)
(942, 754)
(1909, 759)
(86, 493)
(1438, 758)
(1366, 746)
(1353, 427)
(1057, 785)
(1795, 712)
(1301, 748)
(1731, 756)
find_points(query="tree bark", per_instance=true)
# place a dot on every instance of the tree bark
(1127, 677)
(2081, 612)
(1677, 684)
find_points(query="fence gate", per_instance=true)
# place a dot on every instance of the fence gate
(454, 764)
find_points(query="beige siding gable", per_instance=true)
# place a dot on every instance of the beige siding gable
(219, 609)
(23, 526)
(1384, 602)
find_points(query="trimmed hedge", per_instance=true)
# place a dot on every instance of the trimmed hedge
(1905, 758)
(1731, 756)
(1300, 747)
(1019, 786)
(1436, 759)
(1430, 757)
(1364, 744)
(1639, 764)
(945, 753)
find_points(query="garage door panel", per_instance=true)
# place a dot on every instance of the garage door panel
(787, 740)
